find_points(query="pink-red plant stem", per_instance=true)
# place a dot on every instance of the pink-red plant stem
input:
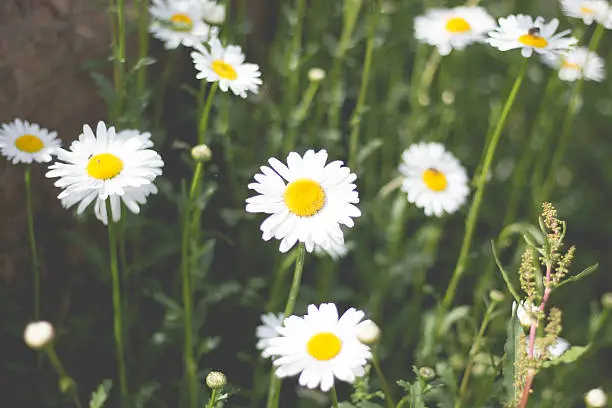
(532, 337)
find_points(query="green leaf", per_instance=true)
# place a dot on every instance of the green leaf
(368, 149)
(513, 342)
(456, 314)
(570, 356)
(511, 289)
(586, 272)
(106, 88)
(99, 396)
(526, 229)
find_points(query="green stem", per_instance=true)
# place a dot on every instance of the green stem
(59, 368)
(363, 89)
(190, 366)
(119, 57)
(473, 351)
(117, 305)
(275, 382)
(566, 129)
(203, 124)
(300, 113)
(32, 239)
(293, 56)
(158, 107)
(143, 51)
(383, 381)
(477, 201)
(334, 396)
(211, 401)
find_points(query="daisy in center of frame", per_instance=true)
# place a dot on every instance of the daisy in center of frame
(434, 178)
(320, 347)
(307, 200)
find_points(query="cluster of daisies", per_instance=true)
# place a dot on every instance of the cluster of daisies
(192, 23)
(99, 166)
(458, 27)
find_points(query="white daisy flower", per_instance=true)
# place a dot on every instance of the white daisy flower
(177, 22)
(335, 251)
(521, 31)
(102, 165)
(144, 137)
(310, 208)
(579, 63)
(25, 142)
(268, 330)
(434, 179)
(213, 13)
(588, 10)
(320, 347)
(455, 28)
(226, 66)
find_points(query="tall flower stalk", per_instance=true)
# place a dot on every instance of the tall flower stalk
(479, 193)
(32, 240)
(117, 8)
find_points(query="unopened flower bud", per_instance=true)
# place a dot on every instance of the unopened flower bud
(596, 398)
(368, 332)
(201, 153)
(38, 335)
(427, 373)
(497, 295)
(316, 74)
(216, 380)
(525, 312)
(448, 97)
(214, 13)
(606, 300)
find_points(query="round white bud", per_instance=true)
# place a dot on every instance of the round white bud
(368, 332)
(596, 398)
(201, 153)
(216, 380)
(316, 74)
(214, 13)
(38, 335)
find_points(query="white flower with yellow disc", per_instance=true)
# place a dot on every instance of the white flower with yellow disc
(320, 347)
(226, 65)
(529, 34)
(104, 166)
(588, 10)
(578, 63)
(177, 22)
(307, 200)
(271, 322)
(455, 28)
(434, 178)
(25, 142)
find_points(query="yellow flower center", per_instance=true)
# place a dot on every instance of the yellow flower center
(181, 22)
(224, 70)
(304, 197)
(457, 25)
(104, 166)
(586, 10)
(435, 180)
(570, 65)
(29, 143)
(533, 40)
(324, 346)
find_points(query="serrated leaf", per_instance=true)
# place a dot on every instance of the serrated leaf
(99, 396)
(570, 356)
(586, 272)
(511, 289)
(513, 341)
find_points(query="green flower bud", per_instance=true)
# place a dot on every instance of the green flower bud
(216, 380)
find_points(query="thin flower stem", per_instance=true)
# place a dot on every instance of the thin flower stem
(473, 351)
(118, 8)
(334, 396)
(32, 239)
(477, 201)
(566, 129)
(275, 382)
(143, 50)
(293, 56)
(213, 397)
(355, 121)
(59, 368)
(158, 107)
(299, 114)
(117, 305)
(203, 124)
(190, 366)
(383, 380)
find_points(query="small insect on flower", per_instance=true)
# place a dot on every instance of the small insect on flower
(307, 200)
(578, 63)
(320, 347)
(25, 142)
(226, 65)
(588, 10)
(177, 22)
(455, 28)
(434, 179)
(529, 34)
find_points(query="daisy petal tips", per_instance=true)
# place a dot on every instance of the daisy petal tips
(529, 35)
(588, 10)
(307, 200)
(181, 22)
(25, 142)
(578, 63)
(455, 28)
(320, 347)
